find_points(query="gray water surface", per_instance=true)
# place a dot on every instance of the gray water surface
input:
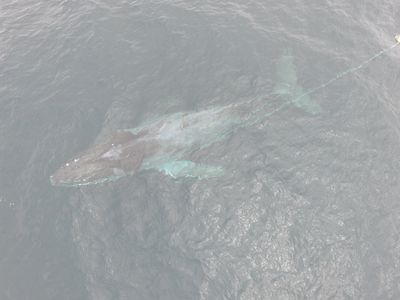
(311, 208)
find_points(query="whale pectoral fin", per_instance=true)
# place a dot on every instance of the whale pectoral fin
(186, 168)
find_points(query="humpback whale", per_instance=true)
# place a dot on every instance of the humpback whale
(165, 144)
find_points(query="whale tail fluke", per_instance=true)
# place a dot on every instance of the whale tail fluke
(288, 88)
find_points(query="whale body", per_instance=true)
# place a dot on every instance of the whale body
(165, 144)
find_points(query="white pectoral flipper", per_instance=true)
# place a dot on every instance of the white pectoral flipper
(186, 168)
(288, 88)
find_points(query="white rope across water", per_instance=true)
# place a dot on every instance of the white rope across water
(338, 76)
(351, 70)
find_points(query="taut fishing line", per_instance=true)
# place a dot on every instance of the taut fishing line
(338, 76)
(353, 69)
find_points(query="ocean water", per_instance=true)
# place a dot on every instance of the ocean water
(311, 210)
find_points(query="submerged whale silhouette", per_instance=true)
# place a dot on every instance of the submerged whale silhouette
(165, 144)
(162, 145)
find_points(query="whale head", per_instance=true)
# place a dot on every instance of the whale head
(119, 156)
